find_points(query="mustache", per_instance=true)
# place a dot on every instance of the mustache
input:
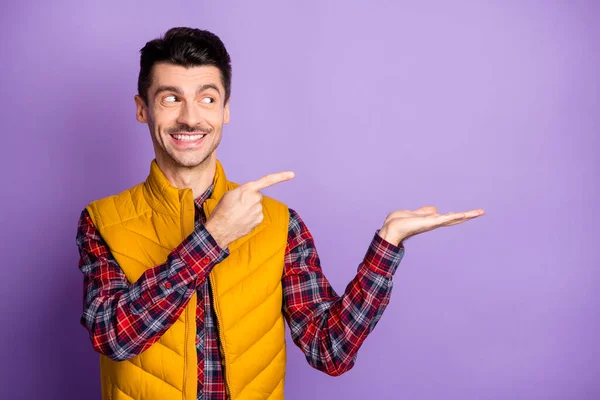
(182, 128)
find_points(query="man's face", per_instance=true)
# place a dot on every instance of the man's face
(185, 113)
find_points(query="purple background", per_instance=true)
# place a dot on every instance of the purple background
(376, 106)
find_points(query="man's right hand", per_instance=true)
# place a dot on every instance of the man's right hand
(240, 210)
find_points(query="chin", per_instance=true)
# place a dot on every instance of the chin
(189, 162)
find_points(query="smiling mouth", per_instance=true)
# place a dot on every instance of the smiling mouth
(188, 137)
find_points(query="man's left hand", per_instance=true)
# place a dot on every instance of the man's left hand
(402, 224)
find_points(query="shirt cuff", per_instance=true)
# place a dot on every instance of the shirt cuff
(200, 251)
(383, 257)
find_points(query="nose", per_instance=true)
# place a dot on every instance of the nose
(190, 114)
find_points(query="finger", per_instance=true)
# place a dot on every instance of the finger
(400, 214)
(250, 196)
(456, 221)
(270, 180)
(474, 213)
(425, 210)
(469, 215)
(454, 218)
(443, 219)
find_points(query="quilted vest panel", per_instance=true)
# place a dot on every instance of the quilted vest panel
(141, 226)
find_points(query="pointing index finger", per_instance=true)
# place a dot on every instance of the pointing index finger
(270, 180)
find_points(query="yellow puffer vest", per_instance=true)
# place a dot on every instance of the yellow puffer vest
(142, 226)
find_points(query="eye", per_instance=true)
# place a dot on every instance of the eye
(208, 100)
(170, 99)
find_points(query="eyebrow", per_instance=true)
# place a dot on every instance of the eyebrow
(177, 90)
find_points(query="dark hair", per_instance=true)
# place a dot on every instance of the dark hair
(187, 47)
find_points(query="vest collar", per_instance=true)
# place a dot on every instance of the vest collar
(166, 199)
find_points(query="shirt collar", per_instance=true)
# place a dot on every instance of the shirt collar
(207, 193)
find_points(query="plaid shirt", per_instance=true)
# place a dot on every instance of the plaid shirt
(328, 328)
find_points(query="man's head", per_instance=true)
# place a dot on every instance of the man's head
(183, 93)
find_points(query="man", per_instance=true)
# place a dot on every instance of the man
(188, 277)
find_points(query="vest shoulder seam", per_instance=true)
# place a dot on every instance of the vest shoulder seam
(105, 201)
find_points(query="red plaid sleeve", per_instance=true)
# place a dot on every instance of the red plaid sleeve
(124, 319)
(330, 328)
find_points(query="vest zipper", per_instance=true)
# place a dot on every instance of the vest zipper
(189, 325)
(215, 305)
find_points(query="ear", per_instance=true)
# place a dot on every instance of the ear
(141, 110)
(226, 112)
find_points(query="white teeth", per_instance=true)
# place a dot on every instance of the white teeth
(188, 138)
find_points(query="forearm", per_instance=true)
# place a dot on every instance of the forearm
(334, 336)
(124, 319)
(330, 328)
(123, 323)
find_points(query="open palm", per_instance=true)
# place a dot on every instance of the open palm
(402, 224)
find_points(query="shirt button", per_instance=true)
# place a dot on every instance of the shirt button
(204, 262)
(197, 340)
(168, 285)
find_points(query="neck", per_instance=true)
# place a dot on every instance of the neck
(197, 178)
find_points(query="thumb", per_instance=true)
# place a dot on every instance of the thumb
(425, 210)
